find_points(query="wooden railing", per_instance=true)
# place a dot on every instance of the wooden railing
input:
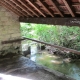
(56, 46)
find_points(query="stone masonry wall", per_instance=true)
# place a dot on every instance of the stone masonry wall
(9, 30)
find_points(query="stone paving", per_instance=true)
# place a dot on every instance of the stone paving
(23, 67)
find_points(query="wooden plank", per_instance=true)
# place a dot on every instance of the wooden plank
(69, 8)
(17, 3)
(56, 7)
(52, 21)
(56, 46)
(46, 8)
(34, 6)
(28, 8)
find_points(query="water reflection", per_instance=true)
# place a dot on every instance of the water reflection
(56, 63)
(33, 53)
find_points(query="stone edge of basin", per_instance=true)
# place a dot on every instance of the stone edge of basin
(56, 73)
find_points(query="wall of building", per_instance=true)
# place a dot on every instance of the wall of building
(9, 30)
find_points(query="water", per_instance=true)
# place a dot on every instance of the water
(57, 63)
(70, 69)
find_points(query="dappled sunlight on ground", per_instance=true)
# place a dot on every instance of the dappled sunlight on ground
(10, 77)
(56, 62)
(53, 56)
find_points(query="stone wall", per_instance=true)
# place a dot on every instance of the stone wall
(9, 30)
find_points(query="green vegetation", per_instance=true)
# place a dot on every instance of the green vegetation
(60, 35)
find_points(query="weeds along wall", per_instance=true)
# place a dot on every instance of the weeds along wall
(9, 30)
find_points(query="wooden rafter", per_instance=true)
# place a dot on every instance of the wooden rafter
(57, 8)
(9, 8)
(11, 4)
(46, 8)
(34, 6)
(17, 3)
(28, 8)
(68, 7)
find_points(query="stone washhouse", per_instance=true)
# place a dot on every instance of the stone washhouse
(12, 12)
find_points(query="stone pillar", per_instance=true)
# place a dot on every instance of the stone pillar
(9, 30)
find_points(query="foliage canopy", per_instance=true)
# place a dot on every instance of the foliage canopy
(60, 35)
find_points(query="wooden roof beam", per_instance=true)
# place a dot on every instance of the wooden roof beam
(28, 8)
(17, 4)
(46, 8)
(11, 4)
(9, 8)
(57, 8)
(34, 6)
(68, 7)
(75, 21)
